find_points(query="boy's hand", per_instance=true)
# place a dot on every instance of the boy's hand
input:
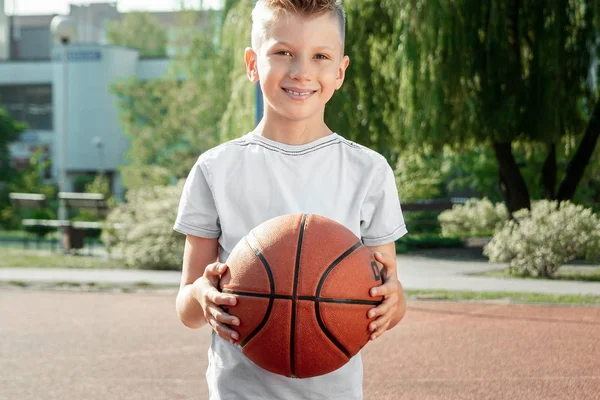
(206, 292)
(393, 307)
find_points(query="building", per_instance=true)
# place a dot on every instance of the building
(32, 88)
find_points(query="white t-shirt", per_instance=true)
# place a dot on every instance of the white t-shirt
(236, 186)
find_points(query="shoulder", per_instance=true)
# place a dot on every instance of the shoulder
(224, 150)
(362, 155)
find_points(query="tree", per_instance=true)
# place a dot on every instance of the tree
(9, 132)
(201, 102)
(506, 74)
(365, 108)
(141, 31)
(502, 73)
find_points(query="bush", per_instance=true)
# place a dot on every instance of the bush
(413, 242)
(474, 218)
(143, 228)
(423, 222)
(538, 242)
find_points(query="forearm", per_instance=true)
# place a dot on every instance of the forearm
(189, 310)
(198, 253)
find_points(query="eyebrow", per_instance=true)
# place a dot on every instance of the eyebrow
(284, 43)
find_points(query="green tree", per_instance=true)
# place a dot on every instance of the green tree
(201, 102)
(512, 75)
(9, 132)
(141, 31)
(503, 73)
(30, 180)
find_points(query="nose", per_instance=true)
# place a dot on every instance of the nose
(300, 70)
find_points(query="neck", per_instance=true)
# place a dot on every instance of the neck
(275, 127)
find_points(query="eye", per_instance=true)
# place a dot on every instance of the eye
(284, 53)
(322, 57)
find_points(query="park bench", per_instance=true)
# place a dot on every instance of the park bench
(74, 232)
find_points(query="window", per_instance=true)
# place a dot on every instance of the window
(31, 104)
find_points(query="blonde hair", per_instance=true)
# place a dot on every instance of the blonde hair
(266, 11)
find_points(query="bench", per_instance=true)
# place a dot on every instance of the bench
(73, 231)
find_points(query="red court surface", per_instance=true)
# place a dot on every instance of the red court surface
(74, 345)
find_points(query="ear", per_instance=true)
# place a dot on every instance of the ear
(339, 79)
(251, 65)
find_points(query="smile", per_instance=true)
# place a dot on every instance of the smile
(300, 95)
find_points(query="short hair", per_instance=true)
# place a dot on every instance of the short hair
(265, 10)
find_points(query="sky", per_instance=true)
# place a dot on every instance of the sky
(30, 7)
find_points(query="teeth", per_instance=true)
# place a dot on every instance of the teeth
(296, 93)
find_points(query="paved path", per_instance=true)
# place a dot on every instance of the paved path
(416, 272)
(97, 346)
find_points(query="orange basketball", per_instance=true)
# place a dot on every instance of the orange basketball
(302, 285)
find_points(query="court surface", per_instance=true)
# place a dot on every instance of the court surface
(74, 345)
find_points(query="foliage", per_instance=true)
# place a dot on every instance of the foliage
(205, 99)
(427, 241)
(99, 184)
(472, 171)
(457, 73)
(142, 228)
(141, 31)
(365, 109)
(538, 242)
(430, 174)
(9, 132)
(423, 222)
(81, 181)
(30, 180)
(474, 218)
(238, 115)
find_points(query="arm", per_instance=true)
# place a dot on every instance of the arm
(199, 300)
(393, 308)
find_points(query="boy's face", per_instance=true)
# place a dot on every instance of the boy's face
(300, 64)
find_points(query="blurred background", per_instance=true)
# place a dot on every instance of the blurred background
(482, 108)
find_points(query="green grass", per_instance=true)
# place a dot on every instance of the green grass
(512, 297)
(10, 257)
(565, 273)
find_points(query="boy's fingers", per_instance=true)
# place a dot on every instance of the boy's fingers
(223, 330)
(379, 310)
(380, 330)
(215, 269)
(389, 287)
(222, 316)
(220, 298)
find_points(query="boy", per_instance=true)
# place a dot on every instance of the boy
(291, 163)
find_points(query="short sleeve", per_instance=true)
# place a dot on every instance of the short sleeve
(381, 216)
(197, 214)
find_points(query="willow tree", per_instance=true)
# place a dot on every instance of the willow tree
(366, 107)
(501, 72)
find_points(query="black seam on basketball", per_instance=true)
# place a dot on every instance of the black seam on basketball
(252, 243)
(320, 286)
(307, 298)
(329, 334)
(295, 297)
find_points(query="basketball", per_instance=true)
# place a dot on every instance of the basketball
(302, 285)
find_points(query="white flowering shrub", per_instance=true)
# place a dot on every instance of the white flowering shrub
(474, 218)
(538, 242)
(142, 228)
